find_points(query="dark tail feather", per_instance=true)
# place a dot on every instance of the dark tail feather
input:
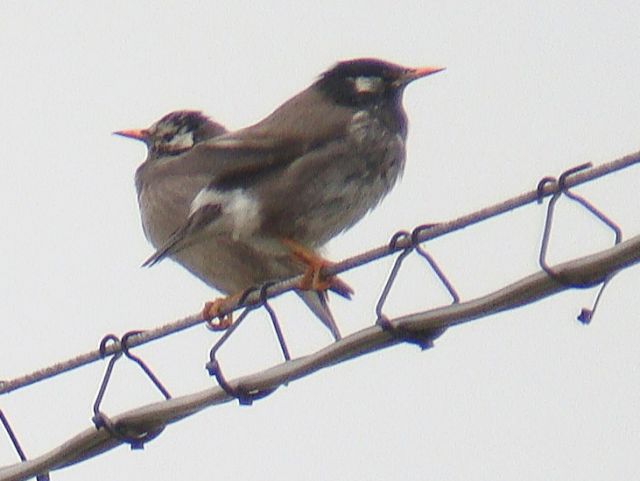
(166, 250)
(317, 302)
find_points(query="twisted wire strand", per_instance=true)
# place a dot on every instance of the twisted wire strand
(151, 419)
(535, 195)
(91, 442)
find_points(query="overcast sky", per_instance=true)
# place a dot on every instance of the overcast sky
(531, 89)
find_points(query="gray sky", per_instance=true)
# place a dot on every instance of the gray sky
(531, 88)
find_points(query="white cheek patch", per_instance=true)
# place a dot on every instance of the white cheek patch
(368, 84)
(181, 141)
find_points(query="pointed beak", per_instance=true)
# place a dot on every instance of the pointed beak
(137, 134)
(415, 73)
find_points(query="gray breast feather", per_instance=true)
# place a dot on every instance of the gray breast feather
(164, 206)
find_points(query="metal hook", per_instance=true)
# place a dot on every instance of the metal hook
(585, 315)
(16, 444)
(423, 340)
(136, 440)
(419, 230)
(542, 258)
(213, 366)
(381, 319)
(107, 374)
(444, 280)
(274, 319)
(124, 345)
(541, 186)
(246, 397)
(12, 436)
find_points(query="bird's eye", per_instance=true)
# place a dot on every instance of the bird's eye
(167, 137)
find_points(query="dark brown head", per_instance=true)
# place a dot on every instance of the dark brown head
(175, 133)
(369, 81)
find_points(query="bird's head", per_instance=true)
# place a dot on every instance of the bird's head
(366, 81)
(175, 133)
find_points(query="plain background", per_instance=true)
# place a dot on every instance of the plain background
(531, 89)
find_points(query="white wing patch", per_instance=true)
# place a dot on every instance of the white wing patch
(240, 211)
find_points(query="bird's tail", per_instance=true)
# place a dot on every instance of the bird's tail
(317, 302)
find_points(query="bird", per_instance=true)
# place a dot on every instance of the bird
(164, 204)
(305, 173)
(167, 182)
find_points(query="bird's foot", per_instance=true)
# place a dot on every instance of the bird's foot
(313, 278)
(212, 310)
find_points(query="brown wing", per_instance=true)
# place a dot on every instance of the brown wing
(187, 234)
(304, 123)
(212, 158)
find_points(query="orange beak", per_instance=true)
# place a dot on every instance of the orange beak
(416, 73)
(137, 134)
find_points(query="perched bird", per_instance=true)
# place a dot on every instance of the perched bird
(167, 182)
(164, 197)
(305, 173)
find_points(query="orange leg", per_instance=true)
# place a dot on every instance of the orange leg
(313, 278)
(212, 310)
